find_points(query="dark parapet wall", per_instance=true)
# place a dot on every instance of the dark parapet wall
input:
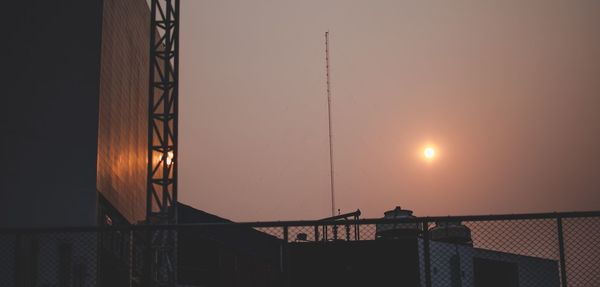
(123, 119)
(49, 118)
(387, 262)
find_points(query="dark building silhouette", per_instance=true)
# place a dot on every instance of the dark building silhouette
(243, 256)
(75, 122)
(396, 257)
(233, 256)
(355, 263)
(74, 135)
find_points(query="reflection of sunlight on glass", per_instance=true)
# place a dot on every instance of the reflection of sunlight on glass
(169, 158)
(156, 157)
(429, 153)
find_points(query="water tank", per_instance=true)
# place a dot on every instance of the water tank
(452, 232)
(394, 230)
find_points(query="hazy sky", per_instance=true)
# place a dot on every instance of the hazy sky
(509, 92)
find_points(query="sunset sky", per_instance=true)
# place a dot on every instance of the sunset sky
(508, 93)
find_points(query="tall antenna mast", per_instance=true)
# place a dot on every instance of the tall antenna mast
(331, 175)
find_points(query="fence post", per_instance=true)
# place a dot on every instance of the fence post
(17, 261)
(147, 257)
(426, 254)
(561, 250)
(335, 232)
(286, 262)
(347, 232)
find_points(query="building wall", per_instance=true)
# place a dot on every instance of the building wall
(532, 271)
(49, 119)
(122, 133)
(74, 118)
(79, 269)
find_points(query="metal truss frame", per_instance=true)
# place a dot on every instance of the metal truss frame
(161, 197)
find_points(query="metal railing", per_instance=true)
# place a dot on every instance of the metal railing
(545, 249)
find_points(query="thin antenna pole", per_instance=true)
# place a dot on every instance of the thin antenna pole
(331, 174)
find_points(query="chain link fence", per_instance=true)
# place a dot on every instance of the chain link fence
(558, 249)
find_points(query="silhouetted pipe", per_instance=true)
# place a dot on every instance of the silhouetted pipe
(354, 214)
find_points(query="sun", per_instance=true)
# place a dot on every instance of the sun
(429, 153)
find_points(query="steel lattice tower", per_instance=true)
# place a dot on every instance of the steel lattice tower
(161, 199)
